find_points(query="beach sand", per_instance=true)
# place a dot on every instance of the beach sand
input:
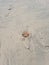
(17, 16)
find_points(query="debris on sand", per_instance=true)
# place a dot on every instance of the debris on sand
(25, 34)
(10, 9)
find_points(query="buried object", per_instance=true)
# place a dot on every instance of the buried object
(25, 34)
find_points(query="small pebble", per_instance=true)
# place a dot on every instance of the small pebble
(9, 8)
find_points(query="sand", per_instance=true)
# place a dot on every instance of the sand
(17, 16)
